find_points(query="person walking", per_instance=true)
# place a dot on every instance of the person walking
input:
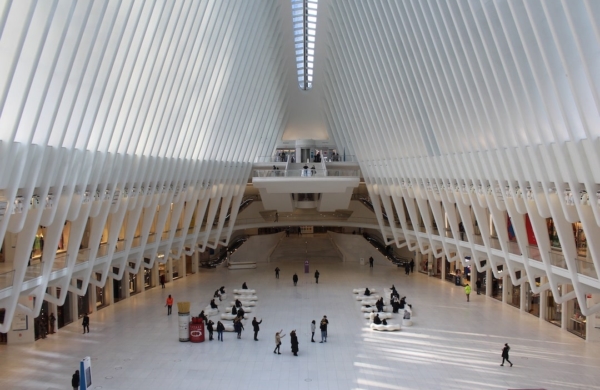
(238, 326)
(52, 322)
(317, 276)
(255, 325)
(277, 273)
(412, 266)
(467, 291)
(505, 354)
(209, 327)
(478, 285)
(294, 340)
(278, 337)
(323, 327)
(86, 323)
(371, 260)
(407, 269)
(75, 380)
(169, 304)
(220, 329)
(295, 279)
(313, 327)
(162, 280)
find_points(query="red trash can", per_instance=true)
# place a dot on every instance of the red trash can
(197, 330)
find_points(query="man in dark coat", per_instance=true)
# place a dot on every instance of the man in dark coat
(86, 323)
(75, 380)
(295, 279)
(238, 326)
(209, 327)
(371, 261)
(244, 286)
(255, 325)
(233, 310)
(407, 269)
(240, 313)
(412, 266)
(294, 339)
(377, 320)
(505, 354)
(317, 276)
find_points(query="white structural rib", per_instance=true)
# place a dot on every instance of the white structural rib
(475, 112)
(153, 108)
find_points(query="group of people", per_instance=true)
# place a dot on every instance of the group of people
(409, 267)
(294, 338)
(295, 276)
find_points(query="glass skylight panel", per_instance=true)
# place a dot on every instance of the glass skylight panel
(304, 13)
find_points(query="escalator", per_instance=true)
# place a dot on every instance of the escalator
(388, 251)
(223, 253)
(245, 203)
(369, 205)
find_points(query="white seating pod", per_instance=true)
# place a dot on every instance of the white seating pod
(246, 309)
(383, 315)
(388, 327)
(229, 316)
(209, 312)
(362, 290)
(242, 291)
(246, 297)
(244, 303)
(361, 297)
(369, 309)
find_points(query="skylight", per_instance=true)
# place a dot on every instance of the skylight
(304, 14)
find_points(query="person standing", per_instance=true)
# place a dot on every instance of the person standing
(407, 269)
(294, 340)
(278, 337)
(295, 279)
(75, 380)
(412, 266)
(52, 322)
(478, 285)
(313, 327)
(238, 327)
(244, 286)
(277, 273)
(317, 276)
(162, 280)
(467, 291)
(323, 327)
(220, 329)
(209, 327)
(255, 325)
(169, 304)
(505, 354)
(86, 323)
(371, 260)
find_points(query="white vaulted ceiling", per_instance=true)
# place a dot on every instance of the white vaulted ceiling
(484, 105)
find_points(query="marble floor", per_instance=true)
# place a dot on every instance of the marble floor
(452, 345)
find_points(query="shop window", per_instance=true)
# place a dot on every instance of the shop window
(497, 285)
(101, 300)
(577, 321)
(553, 310)
(532, 301)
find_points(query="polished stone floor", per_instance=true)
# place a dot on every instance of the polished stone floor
(452, 345)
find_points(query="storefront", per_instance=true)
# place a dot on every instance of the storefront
(117, 287)
(133, 284)
(41, 322)
(532, 300)
(148, 277)
(553, 309)
(83, 302)
(576, 321)
(101, 300)
(64, 316)
(497, 287)
(514, 292)
(189, 269)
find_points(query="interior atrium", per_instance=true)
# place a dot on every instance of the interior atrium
(194, 144)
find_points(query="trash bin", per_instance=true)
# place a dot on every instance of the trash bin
(197, 330)
(184, 320)
(457, 280)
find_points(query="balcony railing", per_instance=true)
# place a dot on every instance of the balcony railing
(305, 173)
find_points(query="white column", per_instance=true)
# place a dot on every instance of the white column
(564, 315)
(52, 308)
(523, 301)
(22, 324)
(505, 294)
(109, 297)
(183, 267)
(74, 306)
(443, 267)
(488, 282)
(155, 279)
(140, 281)
(169, 268)
(93, 298)
(125, 285)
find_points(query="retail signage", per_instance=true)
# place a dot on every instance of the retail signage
(19, 322)
(85, 373)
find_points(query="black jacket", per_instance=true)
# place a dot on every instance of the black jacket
(255, 325)
(75, 380)
(220, 327)
(295, 278)
(209, 326)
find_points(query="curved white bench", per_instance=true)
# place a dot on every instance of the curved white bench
(246, 297)
(209, 312)
(383, 315)
(388, 327)
(244, 303)
(246, 309)
(362, 290)
(225, 316)
(363, 297)
(244, 291)
(371, 301)
(369, 309)
(406, 322)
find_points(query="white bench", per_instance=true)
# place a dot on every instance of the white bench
(228, 326)
(225, 316)
(242, 265)
(244, 303)
(362, 290)
(388, 327)
(209, 312)
(363, 297)
(383, 315)
(244, 291)
(369, 309)
(246, 297)
(246, 309)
